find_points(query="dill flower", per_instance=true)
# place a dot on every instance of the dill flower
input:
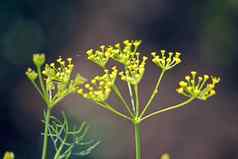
(101, 56)
(134, 70)
(39, 59)
(55, 80)
(8, 155)
(31, 74)
(123, 54)
(59, 71)
(58, 78)
(166, 61)
(99, 88)
(198, 87)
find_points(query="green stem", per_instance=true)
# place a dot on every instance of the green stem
(138, 140)
(155, 91)
(41, 81)
(38, 89)
(137, 100)
(131, 97)
(109, 107)
(169, 108)
(45, 144)
(118, 93)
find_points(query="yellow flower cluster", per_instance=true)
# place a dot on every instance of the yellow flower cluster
(198, 87)
(101, 56)
(59, 71)
(99, 88)
(56, 82)
(58, 77)
(134, 70)
(126, 55)
(123, 54)
(164, 61)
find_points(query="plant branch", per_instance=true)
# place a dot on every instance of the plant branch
(119, 95)
(131, 97)
(41, 81)
(154, 93)
(137, 100)
(109, 107)
(38, 89)
(169, 108)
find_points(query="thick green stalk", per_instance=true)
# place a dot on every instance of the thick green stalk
(138, 140)
(45, 143)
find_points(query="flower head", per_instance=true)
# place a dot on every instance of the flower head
(31, 74)
(198, 87)
(166, 61)
(99, 88)
(39, 59)
(123, 54)
(56, 81)
(59, 71)
(135, 70)
(58, 77)
(101, 56)
(8, 155)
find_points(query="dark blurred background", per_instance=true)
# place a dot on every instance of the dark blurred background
(205, 31)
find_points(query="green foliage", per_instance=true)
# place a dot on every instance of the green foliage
(69, 141)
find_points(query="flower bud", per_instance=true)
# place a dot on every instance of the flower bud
(31, 74)
(39, 59)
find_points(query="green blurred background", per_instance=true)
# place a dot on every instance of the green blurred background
(205, 31)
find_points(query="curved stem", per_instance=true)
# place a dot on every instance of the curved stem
(169, 108)
(38, 89)
(118, 93)
(45, 143)
(155, 92)
(109, 107)
(138, 140)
